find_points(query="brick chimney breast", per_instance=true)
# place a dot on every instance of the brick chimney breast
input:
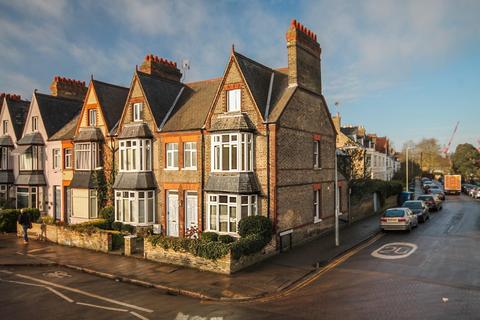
(160, 67)
(68, 88)
(9, 96)
(303, 57)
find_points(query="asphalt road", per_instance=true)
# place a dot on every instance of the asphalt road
(431, 273)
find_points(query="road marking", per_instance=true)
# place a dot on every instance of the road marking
(61, 295)
(139, 316)
(6, 271)
(39, 249)
(101, 307)
(56, 274)
(85, 293)
(395, 250)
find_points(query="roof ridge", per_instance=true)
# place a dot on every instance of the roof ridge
(110, 84)
(206, 80)
(58, 97)
(253, 61)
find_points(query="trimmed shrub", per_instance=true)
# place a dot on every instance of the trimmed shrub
(33, 212)
(225, 238)
(89, 227)
(255, 225)
(107, 213)
(118, 242)
(248, 245)
(209, 236)
(206, 249)
(117, 226)
(366, 187)
(128, 228)
(8, 220)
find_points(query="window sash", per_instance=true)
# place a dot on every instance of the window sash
(4, 158)
(190, 155)
(136, 207)
(232, 152)
(317, 204)
(172, 155)
(137, 111)
(233, 100)
(226, 210)
(135, 155)
(68, 158)
(56, 158)
(92, 117)
(5, 126)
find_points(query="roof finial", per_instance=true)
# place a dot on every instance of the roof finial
(91, 76)
(233, 48)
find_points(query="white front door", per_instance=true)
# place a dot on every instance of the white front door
(172, 213)
(192, 210)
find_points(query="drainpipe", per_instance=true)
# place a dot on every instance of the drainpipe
(202, 165)
(268, 171)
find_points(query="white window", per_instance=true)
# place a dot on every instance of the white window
(316, 155)
(93, 204)
(136, 155)
(172, 155)
(34, 124)
(92, 117)
(27, 197)
(317, 206)
(86, 156)
(233, 100)
(4, 156)
(225, 211)
(190, 155)
(5, 126)
(137, 111)
(56, 158)
(232, 152)
(135, 207)
(32, 159)
(67, 161)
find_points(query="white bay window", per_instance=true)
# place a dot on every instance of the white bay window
(87, 156)
(32, 159)
(232, 152)
(135, 207)
(226, 210)
(4, 158)
(135, 155)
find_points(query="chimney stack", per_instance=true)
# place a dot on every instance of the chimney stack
(303, 58)
(160, 67)
(13, 97)
(68, 88)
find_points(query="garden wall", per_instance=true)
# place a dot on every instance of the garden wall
(365, 207)
(98, 241)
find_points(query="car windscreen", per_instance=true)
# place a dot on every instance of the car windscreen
(425, 198)
(395, 213)
(413, 205)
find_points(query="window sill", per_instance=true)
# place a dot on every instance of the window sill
(233, 234)
(317, 168)
(171, 169)
(189, 169)
(317, 220)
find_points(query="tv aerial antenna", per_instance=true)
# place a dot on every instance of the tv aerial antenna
(185, 67)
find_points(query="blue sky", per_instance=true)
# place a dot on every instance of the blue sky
(405, 69)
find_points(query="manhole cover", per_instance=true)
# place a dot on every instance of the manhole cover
(56, 274)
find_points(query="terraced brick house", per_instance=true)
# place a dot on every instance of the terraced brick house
(39, 183)
(13, 113)
(93, 150)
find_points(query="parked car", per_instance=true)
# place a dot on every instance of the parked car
(466, 187)
(432, 201)
(419, 208)
(438, 192)
(405, 196)
(473, 191)
(476, 193)
(398, 219)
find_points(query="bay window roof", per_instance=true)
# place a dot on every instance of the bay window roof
(134, 181)
(89, 134)
(6, 141)
(30, 179)
(138, 130)
(237, 122)
(34, 138)
(82, 180)
(240, 183)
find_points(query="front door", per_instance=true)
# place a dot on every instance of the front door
(192, 210)
(172, 213)
(57, 202)
(68, 203)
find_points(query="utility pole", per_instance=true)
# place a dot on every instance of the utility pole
(406, 167)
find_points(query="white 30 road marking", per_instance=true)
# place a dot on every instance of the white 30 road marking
(395, 250)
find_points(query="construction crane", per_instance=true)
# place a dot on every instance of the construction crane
(447, 147)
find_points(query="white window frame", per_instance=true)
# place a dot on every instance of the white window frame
(4, 158)
(92, 158)
(56, 158)
(33, 158)
(171, 151)
(92, 210)
(233, 201)
(137, 111)
(240, 152)
(317, 163)
(317, 205)
(31, 193)
(133, 199)
(34, 123)
(190, 149)
(5, 126)
(234, 100)
(92, 117)
(67, 158)
(135, 155)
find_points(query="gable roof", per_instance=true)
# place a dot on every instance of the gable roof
(111, 99)
(18, 110)
(160, 94)
(192, 108)
(258, 78)
(56, 111)
(68, 130)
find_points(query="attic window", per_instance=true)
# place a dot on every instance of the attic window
(34, 124)
(5, 126)
(233, 100)
(137, 111)
(92, 117)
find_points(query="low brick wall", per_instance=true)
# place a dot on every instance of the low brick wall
(364, 208)
(224, 265)
(98, 241)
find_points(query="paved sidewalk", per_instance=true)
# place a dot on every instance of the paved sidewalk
(268, 277)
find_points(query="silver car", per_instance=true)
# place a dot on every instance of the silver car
(398, 219)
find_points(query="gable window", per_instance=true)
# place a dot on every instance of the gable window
(86, 156)
(92, 117)
(172, 155)
(233, 100)
(32, 159)
(135, 155)
(56, 158)
(34, 123)
(190, 155)
(4, 155)
(232, 152)
(317, 155)
(226, 210)
(317, 205)
(5, 126)
(67, 161)
(137, 111)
